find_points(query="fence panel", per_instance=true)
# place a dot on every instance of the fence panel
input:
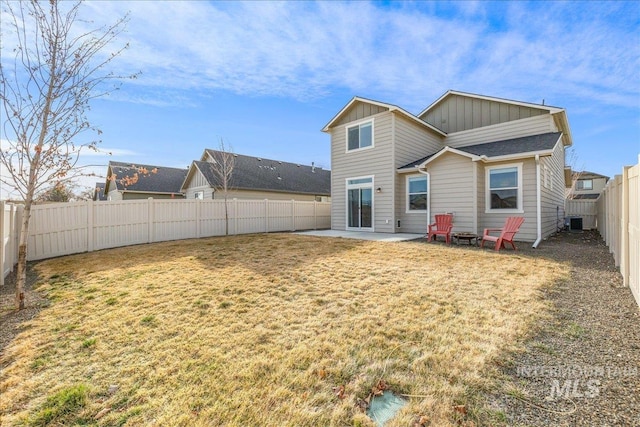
(619, 206)
(57, 229)
(174, 219)
(121, 223)
(66, 228)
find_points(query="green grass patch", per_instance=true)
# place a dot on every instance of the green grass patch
(61, 407)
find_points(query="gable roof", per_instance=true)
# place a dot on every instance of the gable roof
(256, 173)
(588, 175)
(449, 93)
(527, 146)
(391, 107)
(150, 179)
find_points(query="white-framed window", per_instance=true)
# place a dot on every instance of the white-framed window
(198, 195)
(360, 136)
(417, 188)
(504, 188)
(584, 184)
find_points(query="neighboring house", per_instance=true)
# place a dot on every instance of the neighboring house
(479, 157)
(98, 192)
(257, 178)
(587, 185)
(129, 181)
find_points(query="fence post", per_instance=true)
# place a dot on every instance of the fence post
(266, 215)
(150, 220)
(15, 233)
(293, 215)
(315, 214)
(1, 243)
(198, 206)
(235, 216)
(89, 206)
(624, 227)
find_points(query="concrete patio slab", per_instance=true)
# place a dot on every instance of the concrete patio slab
(363, 235)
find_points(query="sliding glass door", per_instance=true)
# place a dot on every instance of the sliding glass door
(360, 204)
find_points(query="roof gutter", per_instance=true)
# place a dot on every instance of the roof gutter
(538, 205)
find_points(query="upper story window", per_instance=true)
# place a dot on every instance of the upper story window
(584, 184)
(504, 188)
(198, 195)
(360, 136)
(417, 193)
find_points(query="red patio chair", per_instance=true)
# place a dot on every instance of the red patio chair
(511, 227)
(442, 227)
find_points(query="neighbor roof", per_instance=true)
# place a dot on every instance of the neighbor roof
(532, 145)
(588, 175)
(256, 173)
(588, 196)
(150, 179)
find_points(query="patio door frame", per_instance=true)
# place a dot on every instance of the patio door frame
(366, 184)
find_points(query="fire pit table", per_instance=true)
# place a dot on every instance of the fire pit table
(469, 237)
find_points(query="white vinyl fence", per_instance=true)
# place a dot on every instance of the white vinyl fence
(68, 228)
(619, 224)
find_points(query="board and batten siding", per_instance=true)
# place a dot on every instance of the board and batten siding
(360, 110)
(374, 161)
(528, 231)
(552, 195)
(515, 129)
(458, 113)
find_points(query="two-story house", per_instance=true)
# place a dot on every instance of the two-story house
(587, 185)
(481, 158)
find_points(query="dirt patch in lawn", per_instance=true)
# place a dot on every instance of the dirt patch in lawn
(271, 330)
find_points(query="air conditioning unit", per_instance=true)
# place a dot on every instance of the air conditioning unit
(575, 224)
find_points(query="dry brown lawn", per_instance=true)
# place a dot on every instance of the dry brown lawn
(264, 330)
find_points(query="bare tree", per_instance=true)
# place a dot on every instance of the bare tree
(50, 72)
(222, 165)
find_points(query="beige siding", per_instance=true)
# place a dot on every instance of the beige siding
(412, 142)
(114, 195)
(528, 231)
(410, 222)
(198, 183)
(513, 129)
(458, 113)
(271, 195)
(451, 190)
(598, 186)
(141, 196)
(552, 195)
(360, 110)
(374, 161)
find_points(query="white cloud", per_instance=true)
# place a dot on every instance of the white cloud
(407, 53)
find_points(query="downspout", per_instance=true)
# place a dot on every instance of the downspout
(538, 205)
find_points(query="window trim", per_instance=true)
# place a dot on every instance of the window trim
(407, 204)
(346, 200)
(359, 123)
(198, 193)
(487, 188)
(583, 188)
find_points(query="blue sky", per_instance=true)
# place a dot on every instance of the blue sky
(267, 76)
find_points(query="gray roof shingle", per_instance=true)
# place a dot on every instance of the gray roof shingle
(522, 145)
(157, 179)
(255, 173)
